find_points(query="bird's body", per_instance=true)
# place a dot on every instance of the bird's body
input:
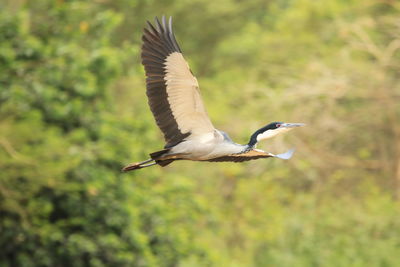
(175, 101)
(207, 146)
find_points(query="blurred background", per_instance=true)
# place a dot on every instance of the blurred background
(73, 111)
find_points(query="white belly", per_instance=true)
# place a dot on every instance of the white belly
(205, 147)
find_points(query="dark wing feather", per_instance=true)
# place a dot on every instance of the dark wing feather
(249, 155)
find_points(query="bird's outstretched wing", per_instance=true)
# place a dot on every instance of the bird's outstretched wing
(246, 156)
(172, 90)
(252, 154)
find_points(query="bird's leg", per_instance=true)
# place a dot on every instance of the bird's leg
(138, 165)
(146, 161)
(148, 165)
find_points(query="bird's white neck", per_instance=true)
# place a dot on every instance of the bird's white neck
(271, 133)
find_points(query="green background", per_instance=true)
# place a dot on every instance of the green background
(73, 111)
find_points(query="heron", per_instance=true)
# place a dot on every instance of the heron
(175, 101)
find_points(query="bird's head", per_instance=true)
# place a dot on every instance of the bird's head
(271, 130)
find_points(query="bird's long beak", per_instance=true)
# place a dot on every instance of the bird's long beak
(292, 125)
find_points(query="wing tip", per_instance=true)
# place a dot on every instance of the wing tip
(162, 28)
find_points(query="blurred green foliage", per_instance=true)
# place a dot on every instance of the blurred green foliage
(73, 111)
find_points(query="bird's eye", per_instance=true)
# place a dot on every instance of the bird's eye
(278, 125)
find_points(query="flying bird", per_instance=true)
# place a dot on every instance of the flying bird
(174, 99)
